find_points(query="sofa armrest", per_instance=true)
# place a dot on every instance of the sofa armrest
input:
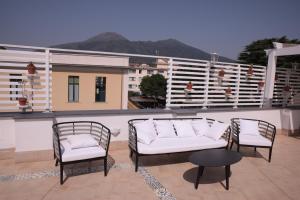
(132, 140)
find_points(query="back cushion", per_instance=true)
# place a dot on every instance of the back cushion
(146, 132)
(200, 126)
(184, 128)
(164, 129)
(248, 127)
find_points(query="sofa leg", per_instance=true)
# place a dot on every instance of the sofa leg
(61, 174)
(231, 145)
(136, 162)
(56, 162)
(130, 154)
(105, 166)
(270, 154)
(238, 148)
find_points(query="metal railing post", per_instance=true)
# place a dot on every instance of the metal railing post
(206, 86)
(47, 79)
(238, 81)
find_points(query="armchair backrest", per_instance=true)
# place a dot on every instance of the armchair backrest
(97, 130)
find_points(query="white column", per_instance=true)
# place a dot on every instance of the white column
(125, 89)
(169, 83)
(270, 78)
(47, 76)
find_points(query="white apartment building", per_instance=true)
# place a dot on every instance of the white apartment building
(136, 74)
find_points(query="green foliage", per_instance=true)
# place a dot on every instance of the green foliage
(254, 53)
(133, 94)
(154, 86)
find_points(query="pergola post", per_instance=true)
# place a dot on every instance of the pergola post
(270, 78)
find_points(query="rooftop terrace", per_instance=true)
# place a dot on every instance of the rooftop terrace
(162, 177)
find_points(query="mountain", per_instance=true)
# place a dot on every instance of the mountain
(114, 42)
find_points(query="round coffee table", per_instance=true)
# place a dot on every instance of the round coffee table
(214, 158)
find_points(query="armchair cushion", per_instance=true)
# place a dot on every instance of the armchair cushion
(249, 127)
(69, 154)
(255, 140)
(81, 141)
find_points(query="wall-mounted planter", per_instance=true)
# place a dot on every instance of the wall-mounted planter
(31, 68)
(22, 101)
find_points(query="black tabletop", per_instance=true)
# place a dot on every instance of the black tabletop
(215, 157)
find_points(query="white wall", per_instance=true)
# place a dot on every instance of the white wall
(36, 134)
(33, 134)
(7, 133)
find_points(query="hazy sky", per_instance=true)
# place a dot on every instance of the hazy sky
(222, 26)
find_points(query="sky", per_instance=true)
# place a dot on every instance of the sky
(221, 26)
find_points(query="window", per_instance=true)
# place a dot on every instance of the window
(140, 71)
(132, 86)
(149, 72)
(73, 88)
(14, 83)
(132, 78)
(132, 71)
(100, 89)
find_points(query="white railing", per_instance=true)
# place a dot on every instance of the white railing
(209, 88)
(13, 71)
(287, 87)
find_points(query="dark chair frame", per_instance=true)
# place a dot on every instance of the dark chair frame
(133, 142)
(96, 129)
(266, 130)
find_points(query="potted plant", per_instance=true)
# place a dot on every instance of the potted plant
(221, 74)
(286, 88)
(261, 84)
(250, 72)
(23, 100)
(228, 92)
(31, 68)
(189, 87)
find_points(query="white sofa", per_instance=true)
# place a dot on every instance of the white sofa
(161, 139)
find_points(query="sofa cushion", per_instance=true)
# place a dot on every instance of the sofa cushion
(216, 130)
(81, 141)
(200, 126)
(249, 127)
(255, 140)
(69, 154)
(173, 145)
(146, 132)
(164, 129)
(183, 128)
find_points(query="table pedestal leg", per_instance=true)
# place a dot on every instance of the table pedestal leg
(200, 172)
(227, 173)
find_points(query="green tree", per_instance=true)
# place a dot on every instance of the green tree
(254, 53)
(154, 86)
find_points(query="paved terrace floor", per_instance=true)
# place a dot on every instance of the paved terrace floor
(162, 177)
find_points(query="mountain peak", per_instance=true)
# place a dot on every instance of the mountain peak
(106, 36)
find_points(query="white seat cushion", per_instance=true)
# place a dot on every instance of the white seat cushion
(255, 140)
(172, 145)
(183, 128)
(69, 154)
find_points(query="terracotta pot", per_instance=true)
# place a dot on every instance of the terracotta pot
(287, 88)
(31, 68)
(261, 84)
(228, 91)
(250, 71)
(22, 101)
(221, 73)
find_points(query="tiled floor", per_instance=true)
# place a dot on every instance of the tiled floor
(162, 177)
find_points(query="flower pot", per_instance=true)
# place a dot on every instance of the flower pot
(250, 71)
(221, 73)
(22, 101)
(31, 68)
